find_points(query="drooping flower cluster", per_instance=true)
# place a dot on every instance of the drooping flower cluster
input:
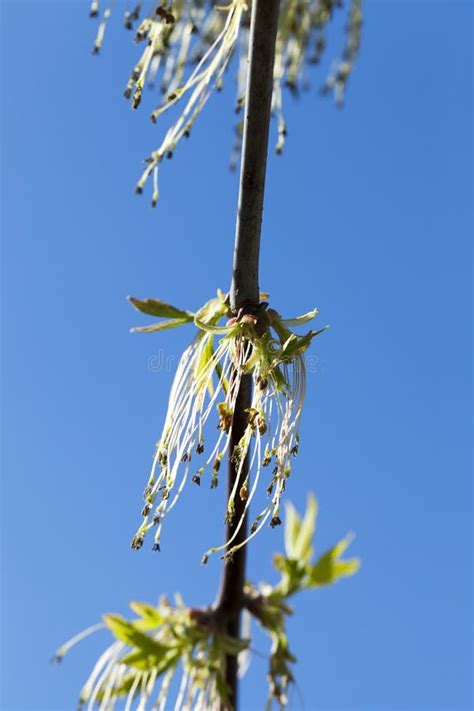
(189, 45)
(205, 388)
(173, 657)
(164, 644)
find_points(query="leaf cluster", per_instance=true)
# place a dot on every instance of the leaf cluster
(298, 571)
(169, 641)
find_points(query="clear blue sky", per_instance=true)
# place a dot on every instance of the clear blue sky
(367, 216)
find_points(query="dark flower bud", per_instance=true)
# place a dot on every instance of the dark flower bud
(276, 521)
(137, 541)
(196, 479)
(156, 547)
(146, 509)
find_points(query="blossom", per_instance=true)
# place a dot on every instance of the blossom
(204, 392)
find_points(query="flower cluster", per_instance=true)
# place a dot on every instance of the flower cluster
(205, 387)
(189, 45)
(148, 652)
(171, 656)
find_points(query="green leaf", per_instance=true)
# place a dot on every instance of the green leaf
(329, 568)
(127, 632)
(150, 616)
(291, 567)
(205, 359)
(303, 548)
(296, 345)
(156, 307)
(210, 328)
(160, 326)
(121, 689)
(292, 529)
(291, 322)
(145, 662)
(213, 310)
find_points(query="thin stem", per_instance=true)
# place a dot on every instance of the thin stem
(244, 292)
(258, 101)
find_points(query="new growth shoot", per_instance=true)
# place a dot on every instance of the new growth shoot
(172, 656)
(189, 46)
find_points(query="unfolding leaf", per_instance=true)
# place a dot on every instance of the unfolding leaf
(127, 632)
(291, 322)
(303, 548)
(160, 326)
(150, 616)
(121, 689)
(156, 307)
(213, 310)
(292, 529)
(144, 662)
(211, 328)
(330, 567)
(204, 362)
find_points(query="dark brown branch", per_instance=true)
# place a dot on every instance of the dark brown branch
(245, 287)
(263, 30)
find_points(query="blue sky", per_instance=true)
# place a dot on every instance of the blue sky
(366, 216)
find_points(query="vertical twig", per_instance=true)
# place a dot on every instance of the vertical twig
(245, 287)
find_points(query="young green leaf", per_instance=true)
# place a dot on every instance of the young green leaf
(126, 631)
(213, 310)
(329, 568)
(303, 549)
(160, 326)
(292, 529)
(150, 616)
(156, 307)
(144, 662)
(291, 322)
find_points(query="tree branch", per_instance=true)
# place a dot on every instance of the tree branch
(244, 294)
(258, 100)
